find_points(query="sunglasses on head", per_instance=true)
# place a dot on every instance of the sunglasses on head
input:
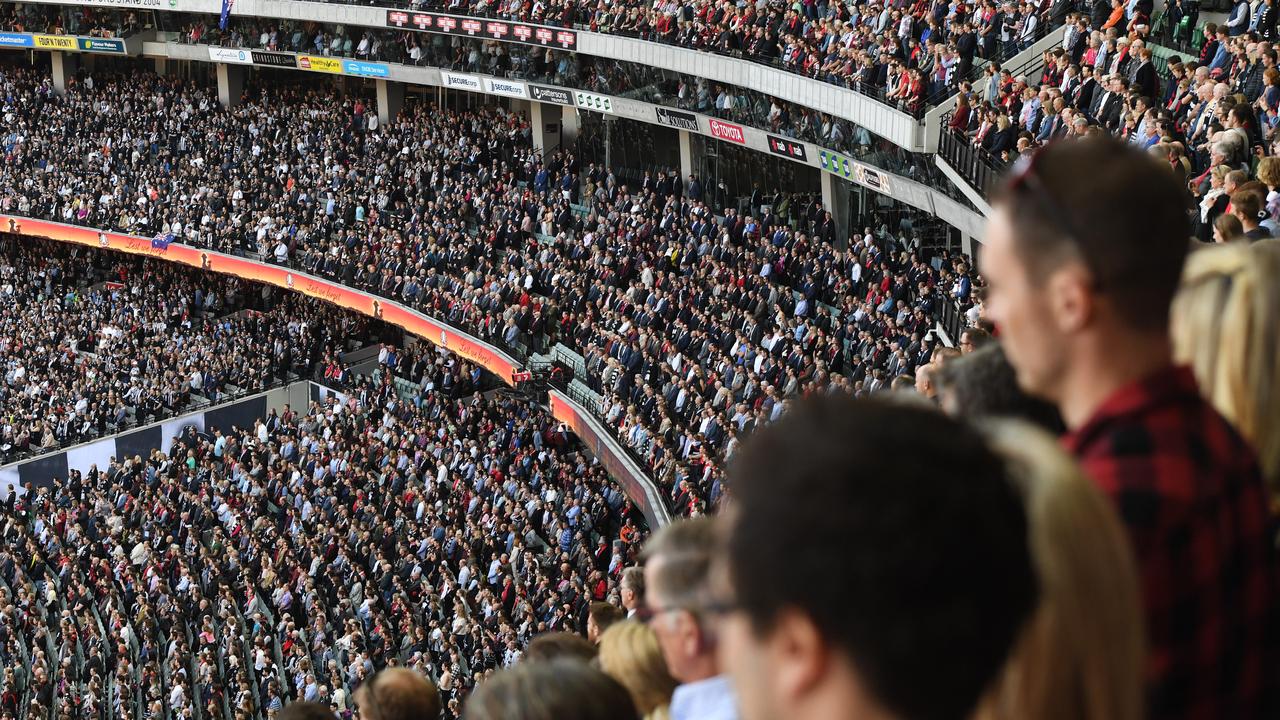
(1025, 180)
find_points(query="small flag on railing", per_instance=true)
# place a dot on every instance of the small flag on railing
(226, 14)
(161, 241)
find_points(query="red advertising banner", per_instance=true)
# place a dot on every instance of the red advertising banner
(461, 344)
(612, 457)
(727, 131)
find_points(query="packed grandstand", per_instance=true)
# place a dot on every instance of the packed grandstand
(686, 360)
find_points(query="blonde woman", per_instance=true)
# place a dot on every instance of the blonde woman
(1081, 655)
(629, 652)
(1226, 326)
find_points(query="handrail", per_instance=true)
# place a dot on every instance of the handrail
(462, 344)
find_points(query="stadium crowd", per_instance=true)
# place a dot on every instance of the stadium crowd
(250, 567)
(1211, 117)
(1123, 570)
(909, 55)
(92, 344)
(903, 53)
(694, 328)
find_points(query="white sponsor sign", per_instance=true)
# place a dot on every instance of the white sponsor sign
(510, 88)
(591, 101)
(234, 56)
(465, 82)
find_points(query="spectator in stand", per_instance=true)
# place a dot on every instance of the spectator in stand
(551, 690)
(629, 652)
(678, 608)
(1083, 313)
(632, 590)
(844, 619)
(1222, 314)
(600, 617)
(1081, 655)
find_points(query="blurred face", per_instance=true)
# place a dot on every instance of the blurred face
(1017, 302)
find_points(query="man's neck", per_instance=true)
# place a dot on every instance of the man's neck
(1105, 364)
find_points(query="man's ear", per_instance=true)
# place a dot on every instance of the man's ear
(1070, 293)
(801, 656)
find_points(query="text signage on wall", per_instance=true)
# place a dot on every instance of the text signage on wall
(727, 131)
(233, 56)
(274, 59)
(510, 88)
(361, 68)
(315, 63)
(483, 28)
(677, 119)
(560, 96)
(457, 80)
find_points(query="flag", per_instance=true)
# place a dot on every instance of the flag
(226, 13)
(161, 241)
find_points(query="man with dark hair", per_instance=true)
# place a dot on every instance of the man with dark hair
(870, 581)
(600, 615)
(972, 339)
(1082, 257)
(398, 694)
(1246, 205)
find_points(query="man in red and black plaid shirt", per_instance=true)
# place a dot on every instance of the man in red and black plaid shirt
(1083, 255)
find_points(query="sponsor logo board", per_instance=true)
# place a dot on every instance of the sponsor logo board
(560, 96)
(510, 88)
(677, 119)
(727, 131)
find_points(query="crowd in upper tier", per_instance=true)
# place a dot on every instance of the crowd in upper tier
(910, 55)
(696, 323)
(1211, 115)
(91, 346)
(253, 566)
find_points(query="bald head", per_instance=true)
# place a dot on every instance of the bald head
(398, 694)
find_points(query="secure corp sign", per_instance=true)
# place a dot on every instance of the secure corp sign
(510, 88)
(456, 80)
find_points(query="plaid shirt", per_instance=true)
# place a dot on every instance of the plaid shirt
(1190, 492)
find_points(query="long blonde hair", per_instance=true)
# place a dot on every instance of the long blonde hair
(630, 653)
(1226, 326)
(1081, 655)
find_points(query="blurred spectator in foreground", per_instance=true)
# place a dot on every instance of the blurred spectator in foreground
(984, 384)
(881, 587)
(1224, 326)
(303, 710)
(563, 689)
(1081, 655)
(398, 694)
(630, 653)
(560, 645)
(677, 608)
(1083, 313)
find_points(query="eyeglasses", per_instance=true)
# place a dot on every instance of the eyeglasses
(717, 608)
